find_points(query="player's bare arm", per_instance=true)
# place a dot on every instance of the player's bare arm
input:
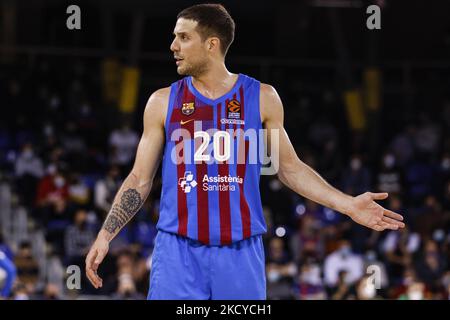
(302, 179)
(136, 186)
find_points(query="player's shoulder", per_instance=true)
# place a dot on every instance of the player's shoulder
(270, 102)
(268, 93)
(156, 107)
(161, 94)
(158, 98)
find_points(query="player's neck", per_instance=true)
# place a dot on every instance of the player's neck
(215, 82)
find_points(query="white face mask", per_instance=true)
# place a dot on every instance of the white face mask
(48, 130)
(273, 276)
(368, 291)
(389, 161)
(371, 256)
(355, 164)
(27, 154)
(275, 185)
(59, 182)
(445, 164)
(415, 295)
(21, 296)
(55, 102)
(51, 169)
(345, 250)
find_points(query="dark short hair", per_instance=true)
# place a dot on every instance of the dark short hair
(213, 20)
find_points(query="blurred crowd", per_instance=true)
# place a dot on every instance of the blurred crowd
(64, 154)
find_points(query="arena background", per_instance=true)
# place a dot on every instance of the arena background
(368, 109)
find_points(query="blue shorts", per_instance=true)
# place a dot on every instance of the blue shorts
(185, 269)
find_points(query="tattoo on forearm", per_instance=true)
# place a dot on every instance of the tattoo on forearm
(123, 211)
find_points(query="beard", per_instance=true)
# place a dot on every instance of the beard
(192, 69)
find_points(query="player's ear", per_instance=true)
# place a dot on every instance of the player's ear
(213, 44)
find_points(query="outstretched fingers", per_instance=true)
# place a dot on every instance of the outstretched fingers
(393, 215)
(378, 196)
(394, 222)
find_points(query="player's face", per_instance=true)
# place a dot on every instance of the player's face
(189, 51)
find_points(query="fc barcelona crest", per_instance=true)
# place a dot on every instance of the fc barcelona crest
(188, 108)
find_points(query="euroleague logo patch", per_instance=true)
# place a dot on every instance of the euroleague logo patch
(188, 108)
(234, 109)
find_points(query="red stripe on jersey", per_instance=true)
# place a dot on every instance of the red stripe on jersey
(202, 199)
(234, 125)
(224, 204)
(202, 205)
(181, 195)
(219, 115)
(245, 212)
(224, 199)
(181, 169)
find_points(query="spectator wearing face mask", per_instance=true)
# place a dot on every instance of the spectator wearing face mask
(415, 291)
(28, 170)
(125, 283)
(342, 290)
(389, 178)
(430, 267)
(123, 143)
(22, 292)
(126, 289)
(309, 281)
(27, 267)
(77, 239)
(428, 136)
(366, 289)
(52, 188)
(343, 259)
(51, 292)
(429, 217)
(280, 270)
(105, 190)
(402, 145)
(398, 248)
(79, 192)
(419, 179)
(308, 241)
(356, 178)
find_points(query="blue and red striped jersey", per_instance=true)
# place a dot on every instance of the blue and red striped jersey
(211, 165)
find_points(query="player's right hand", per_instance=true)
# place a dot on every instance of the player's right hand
(95, 256)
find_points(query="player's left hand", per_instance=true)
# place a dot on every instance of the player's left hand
(365, 211)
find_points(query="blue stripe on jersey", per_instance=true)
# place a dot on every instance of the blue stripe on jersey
(192, 225)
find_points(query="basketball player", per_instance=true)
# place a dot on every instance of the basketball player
(209, 241)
